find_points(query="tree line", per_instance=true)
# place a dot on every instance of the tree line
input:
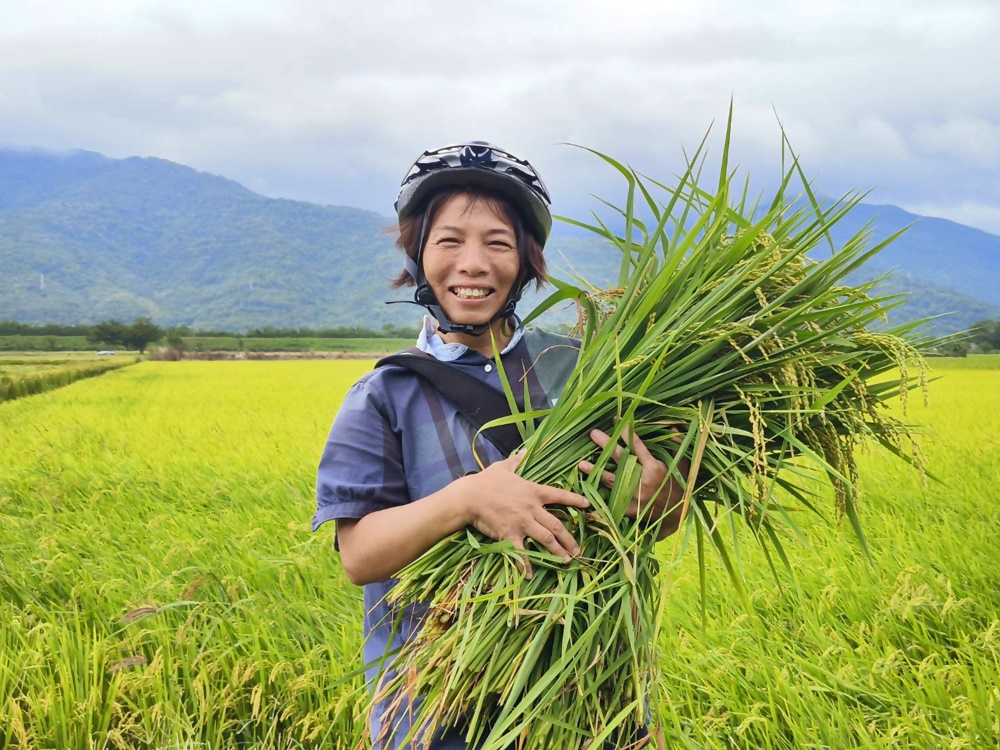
(138, 336)
(984, 336)
(113, 332)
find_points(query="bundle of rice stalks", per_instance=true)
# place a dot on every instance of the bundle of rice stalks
(732, 351)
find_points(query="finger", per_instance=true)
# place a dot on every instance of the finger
(547, 538)
(638, 447)
(602, 439)
(607, 478)
(556, 496)
(514, 460)
(562, 534)
(523, 563)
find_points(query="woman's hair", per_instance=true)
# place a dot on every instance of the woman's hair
(529, 249)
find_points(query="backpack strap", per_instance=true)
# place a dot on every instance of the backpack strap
(477, 401)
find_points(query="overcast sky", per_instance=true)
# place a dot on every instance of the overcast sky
(331, 102)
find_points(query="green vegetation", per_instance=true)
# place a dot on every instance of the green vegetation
(237, 344)
(44, 343)
(86, 238)
(373, 345)
(23, 337)
(984, 336)
(159, 586)
(112, 333)
(970, 362)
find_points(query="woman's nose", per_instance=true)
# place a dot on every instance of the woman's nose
(473, 259)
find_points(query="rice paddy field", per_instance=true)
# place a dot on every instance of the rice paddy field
(160, 587)
(30, 373)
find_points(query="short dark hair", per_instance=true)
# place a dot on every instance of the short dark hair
(529, 249)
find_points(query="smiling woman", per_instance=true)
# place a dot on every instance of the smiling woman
(403, 466)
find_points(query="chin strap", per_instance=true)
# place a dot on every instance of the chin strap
(424, 297)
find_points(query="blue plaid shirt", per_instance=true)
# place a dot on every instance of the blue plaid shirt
(397, 439)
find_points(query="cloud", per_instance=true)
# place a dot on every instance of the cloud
(331, 101)
(973, 140)
(984, 216)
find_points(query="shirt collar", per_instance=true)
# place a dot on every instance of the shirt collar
(430, 342)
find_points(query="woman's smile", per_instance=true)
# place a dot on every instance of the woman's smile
(471, 292)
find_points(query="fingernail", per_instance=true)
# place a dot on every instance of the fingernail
(576, 551)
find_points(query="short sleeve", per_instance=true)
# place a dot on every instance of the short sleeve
(361, 469)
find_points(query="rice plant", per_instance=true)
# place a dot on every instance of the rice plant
(744, 361)
(159, 586)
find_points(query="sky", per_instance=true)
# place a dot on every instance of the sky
(331, 101)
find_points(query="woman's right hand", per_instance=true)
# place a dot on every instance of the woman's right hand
(503, 505)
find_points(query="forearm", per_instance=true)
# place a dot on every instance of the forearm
(376, 547)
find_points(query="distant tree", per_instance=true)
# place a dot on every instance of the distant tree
(108, 332)
(141, 334)
(986, 335)
(953, 349)
(175, 337)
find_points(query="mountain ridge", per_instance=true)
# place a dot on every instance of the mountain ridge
(84, 238)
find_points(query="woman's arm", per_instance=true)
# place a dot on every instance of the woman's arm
(496, 501)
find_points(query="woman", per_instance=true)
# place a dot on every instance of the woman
(399, 471)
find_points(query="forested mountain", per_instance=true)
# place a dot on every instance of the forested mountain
(85, 238)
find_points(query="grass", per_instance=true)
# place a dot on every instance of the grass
(21, 343)
(159, 586)
(971, 362)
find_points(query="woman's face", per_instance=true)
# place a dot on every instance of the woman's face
(470, 260)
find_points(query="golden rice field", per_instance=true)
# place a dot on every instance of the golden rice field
(30, 373)
(160, 587)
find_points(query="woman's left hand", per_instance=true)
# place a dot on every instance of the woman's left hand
(657, 495)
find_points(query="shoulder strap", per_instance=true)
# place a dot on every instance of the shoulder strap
(477, 401)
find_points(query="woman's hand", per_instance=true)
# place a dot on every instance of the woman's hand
(658, 494)
(496, 501)
(502, 505)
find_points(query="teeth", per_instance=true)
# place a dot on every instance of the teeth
(471, 292)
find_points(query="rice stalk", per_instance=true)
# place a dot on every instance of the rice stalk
(726, 346)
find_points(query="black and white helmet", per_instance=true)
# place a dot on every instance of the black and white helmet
(478, 164)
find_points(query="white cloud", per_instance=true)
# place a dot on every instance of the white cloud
(983, 216)
(331, 101)
(973, 140)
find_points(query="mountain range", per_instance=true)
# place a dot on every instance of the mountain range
(85, 238)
